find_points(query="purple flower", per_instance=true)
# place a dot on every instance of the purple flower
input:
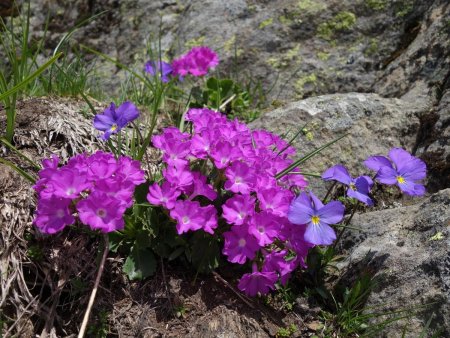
(196, 62)
(68, 183)
(53, 214)
(112, 120)
(165, 195)
(101, 212)
(265, 227)
(257, 282)
(275, 200)
(275, 261)
(318, 217)
(240, 178)
(357, 188)
(199, 187)
(239, 244)
(187, 215)
(404, 171)
(237, 209)
(159, 68)
(211, 220)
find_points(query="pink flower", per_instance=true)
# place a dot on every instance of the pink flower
(187, 215)
(257, 282)
(240, 178)
(180, 177)
(239, 244)
(265, 227)
(211, 221)
(201, 188)
(101, 212)
(196, 62)
(237, 209)
(275, 200)
(276, 261)
(165, 195)
(53, 214)
(69, 183)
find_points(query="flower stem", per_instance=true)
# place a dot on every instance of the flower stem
(355, 207)
(94, 290)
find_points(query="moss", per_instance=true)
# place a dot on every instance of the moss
(340, 22)
(403, 8)
(286, 59)
(377, 5)
(372, 48)
(265, 23)
(300, 83)
(195, 42)
(310, 6)
(285, 20)
(230, 46)
(323, 56)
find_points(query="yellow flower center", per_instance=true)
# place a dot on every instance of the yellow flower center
(400, 179)
(114, 127)
(315, 220)
(352, 186)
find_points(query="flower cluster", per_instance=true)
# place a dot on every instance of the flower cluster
(197, 62)
(223, 175)
(98, 187)
(113, 119)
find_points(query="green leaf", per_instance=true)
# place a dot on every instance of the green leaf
(20, 171)
(115, 240)
(140, 264)
(205, 252)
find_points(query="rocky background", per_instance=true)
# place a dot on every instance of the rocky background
(377, 69)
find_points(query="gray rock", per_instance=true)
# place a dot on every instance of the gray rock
(374, 125)
(409, 248)
(299, 48)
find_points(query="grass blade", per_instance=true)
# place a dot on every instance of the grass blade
(307, 157)
(15, 150)
(20, 171)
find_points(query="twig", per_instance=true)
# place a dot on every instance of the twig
(223, 105)
(219, 277)
(166, 285)
(94, 290)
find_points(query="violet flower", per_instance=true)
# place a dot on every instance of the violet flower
(357, 187)
(311, 211)
(401, 169)
(159, 68)
(113, 119)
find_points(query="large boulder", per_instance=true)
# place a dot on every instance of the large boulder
(409, 249)
(373, 124)
(298, 48)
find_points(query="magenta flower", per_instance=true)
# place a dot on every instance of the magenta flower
(223, 153)
(130, 170)
(101, 212)
(238, 208)
(201, 188)
(239, 244)
(117, 189)
(265, 227)
(112, 120)
(309, 210)
(358, 188)
(257, 282)
(165, 195)
(196, 62)
(159, 68)
(180, 177)
(53, 215)
(69, 183)
(240, 178)
(211, 219)
(404, 171)
(276, 261)
(187, 215)
(275, 200)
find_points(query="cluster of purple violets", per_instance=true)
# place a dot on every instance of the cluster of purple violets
(241, 196)
(98, 188)
(197, 62)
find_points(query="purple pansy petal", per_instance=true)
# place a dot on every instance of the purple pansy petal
(320, 234)
(127, 112)
(331, 213)
(300, 210)
(363, 184)
(414, 170)
(376, 162)
(400, 157)
(387, 175)
(317, 202)
(338, 173)
(360, 197)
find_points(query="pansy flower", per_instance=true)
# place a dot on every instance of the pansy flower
(113, 119)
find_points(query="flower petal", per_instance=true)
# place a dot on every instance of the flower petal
(376, 162)
(400, 157)
(320, 234)
(360, 197)
(331, 213)
(387, 175)
(300, 210)
(338, 173)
